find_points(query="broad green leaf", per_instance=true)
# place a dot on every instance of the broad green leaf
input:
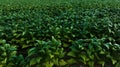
(38, 59)
(31, 51)
(7, 46)
(113, 61)
(13, 53)
(91, 63)
(51, 56)
(25, 46)
(2, 48)
(102, 63)
(102, 52)
(49, 64)
(91, 57)
(84, 58)
(62, 62)
(3, 41)
(117, 64)
(72, 54)
(4, 54)
(4, 61)
(33, 61)
(71, 61)
(56, 61)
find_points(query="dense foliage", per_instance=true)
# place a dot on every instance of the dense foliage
(59, 35)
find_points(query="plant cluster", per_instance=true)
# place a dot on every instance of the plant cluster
(59, 35)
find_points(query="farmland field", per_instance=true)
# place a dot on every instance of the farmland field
(59, 33)
(112, 3)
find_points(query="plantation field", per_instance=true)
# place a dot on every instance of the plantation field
(59, 33)
(86, 3)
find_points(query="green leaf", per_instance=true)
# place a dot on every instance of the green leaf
(71, 61)
(51, 56)
(118, 64)
(32, 61)
(7, 46)
(20, 57)
(109, 30)
(84, 58)
(25, 46)
(102, 52)
(55, 42)
(3, 41)
(108, 45)
(102, 63)
(72, 54)
(2, 48)
(13, 53)
(31, 51)
(56, 61)
(113, 61)
(49, 64)
(4, 54)
(4, 61)
(40, 42)
(38, 59)
(62, 62)
(53, 39)
(91, 57)
(91, 63)
(13, 48)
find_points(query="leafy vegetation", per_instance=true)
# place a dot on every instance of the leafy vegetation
(61, 34)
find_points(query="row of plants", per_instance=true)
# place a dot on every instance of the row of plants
(91, 52)
(59, 35)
